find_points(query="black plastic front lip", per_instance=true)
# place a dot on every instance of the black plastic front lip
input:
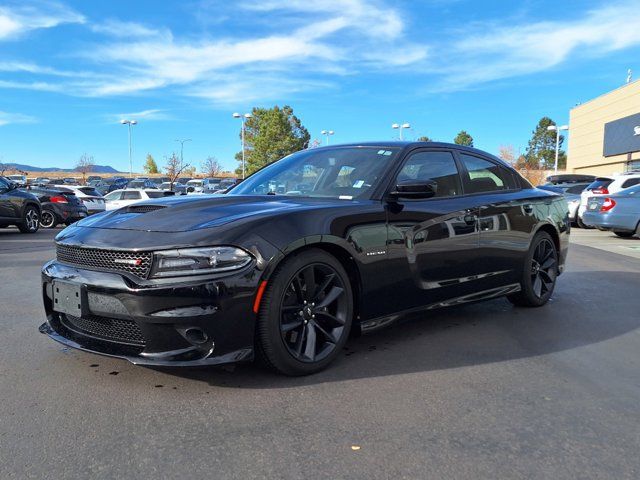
(230, 327)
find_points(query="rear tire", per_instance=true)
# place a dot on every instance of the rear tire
(48, 219)
(624, 234)
(305, 315)
(539, 273)
(581, 224)
(30, 220)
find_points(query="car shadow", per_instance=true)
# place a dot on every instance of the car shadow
(578, 315)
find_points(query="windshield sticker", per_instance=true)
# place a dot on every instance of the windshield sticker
(358, 184)
(386, 153)
(345, 197)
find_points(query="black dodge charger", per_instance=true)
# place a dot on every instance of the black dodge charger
(322, 243)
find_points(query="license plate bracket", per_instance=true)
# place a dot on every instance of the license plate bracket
(67, 298)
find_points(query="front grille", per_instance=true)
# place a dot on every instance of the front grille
(103, 328)
(143, 208)
(137, 263)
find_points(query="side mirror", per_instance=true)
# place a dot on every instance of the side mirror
(415, 189)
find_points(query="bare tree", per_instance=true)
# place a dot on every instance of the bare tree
(174, 167)
(507, 154)
(211, 167)
(3, 167)
(85, 165)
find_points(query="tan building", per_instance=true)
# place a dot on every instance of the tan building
(604, 133)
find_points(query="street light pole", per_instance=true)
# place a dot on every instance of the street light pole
(182, 142)
(327, 133)
(400, 127)
(129, 123)
(242, 118)
(554, 128)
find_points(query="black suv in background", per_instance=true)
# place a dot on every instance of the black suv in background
(58, 205)
(18, 207)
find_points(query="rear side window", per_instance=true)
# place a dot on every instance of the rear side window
(631, 182)
(485, 176)
(92, 192)
(113, 196)
(437, 166)
(599, 183)
(131, 195)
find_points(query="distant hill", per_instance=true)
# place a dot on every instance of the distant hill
(29, 168)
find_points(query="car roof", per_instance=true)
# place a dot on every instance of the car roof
(409, 145)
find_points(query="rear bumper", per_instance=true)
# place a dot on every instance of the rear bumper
(67, 213)
(610, 221)
(153, 323)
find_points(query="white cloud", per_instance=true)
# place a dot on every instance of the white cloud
(508, 51)
(6, 118)
(146, 115)
(118, 28)
(284, 47)
(301, 44)
(17, 19)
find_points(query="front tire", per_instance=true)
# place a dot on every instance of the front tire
(305, 314)
(30, 220)
(48, 219)
(540, 273)
(624, 234)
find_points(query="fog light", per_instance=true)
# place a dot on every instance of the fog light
(196, 336)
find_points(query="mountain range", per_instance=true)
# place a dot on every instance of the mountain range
(29, 168)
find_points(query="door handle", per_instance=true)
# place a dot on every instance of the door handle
(528, 208)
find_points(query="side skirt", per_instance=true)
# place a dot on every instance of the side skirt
(374, 324)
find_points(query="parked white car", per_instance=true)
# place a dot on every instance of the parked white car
(605, 186)
(90, 197)
(128, 196)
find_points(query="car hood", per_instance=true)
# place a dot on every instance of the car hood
(181, 214)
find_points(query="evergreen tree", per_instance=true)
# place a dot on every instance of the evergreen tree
(542, 146)
(270, 134)
(150, 166)
(463, 138)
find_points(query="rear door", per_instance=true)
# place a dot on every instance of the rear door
(506, 219)
(432, 243)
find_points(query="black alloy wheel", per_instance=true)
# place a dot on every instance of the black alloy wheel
(30, 220)
(305, 315)
(48, 219)
(540, 273)
(313, 311)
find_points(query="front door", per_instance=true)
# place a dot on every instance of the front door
(432, 243)
(7, 209)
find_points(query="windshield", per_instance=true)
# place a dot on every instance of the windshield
(340, 172)
(195, 183)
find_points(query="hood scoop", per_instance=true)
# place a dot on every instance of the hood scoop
(143, 208)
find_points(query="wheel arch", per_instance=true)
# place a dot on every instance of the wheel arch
(334, 248)
(553, 233)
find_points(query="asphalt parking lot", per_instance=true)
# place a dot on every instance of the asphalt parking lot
(479, 391)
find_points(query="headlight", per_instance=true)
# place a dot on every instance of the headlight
(198, 261)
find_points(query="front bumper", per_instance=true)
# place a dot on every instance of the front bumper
(169, 322)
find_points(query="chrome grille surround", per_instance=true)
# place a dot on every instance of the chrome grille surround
(136, 263)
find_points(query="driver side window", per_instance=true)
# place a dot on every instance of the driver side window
(437, 166)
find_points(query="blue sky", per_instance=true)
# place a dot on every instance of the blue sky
(70, 70)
